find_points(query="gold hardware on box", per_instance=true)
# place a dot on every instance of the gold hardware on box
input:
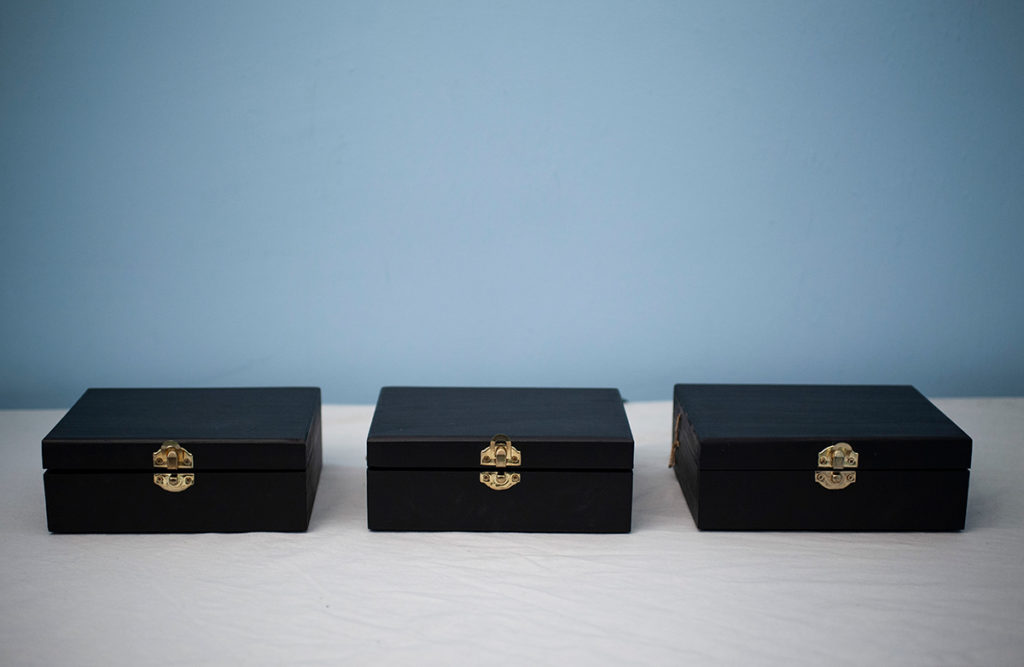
(499, 480)
(838, 457)
(675, 440)
(174, 483)
(500, 453)
(173, 456)
(835, 480)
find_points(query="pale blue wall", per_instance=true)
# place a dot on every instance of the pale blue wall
(550, 193)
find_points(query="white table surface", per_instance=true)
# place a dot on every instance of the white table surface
(665, 594)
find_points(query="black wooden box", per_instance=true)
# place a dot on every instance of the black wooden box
(818, 457)
(184, 460)
(499, 459)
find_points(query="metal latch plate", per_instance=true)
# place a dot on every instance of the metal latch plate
(838, 458)
(499, 480)
(500, 453)
(173, 456)
(174, 483)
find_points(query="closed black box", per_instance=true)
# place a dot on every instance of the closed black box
(499, 459)
(818, 457)
(184, 460)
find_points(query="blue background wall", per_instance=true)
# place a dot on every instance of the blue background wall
(569, 193)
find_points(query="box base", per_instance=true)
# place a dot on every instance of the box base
(222, 502)
(544, 501)
(880, 500)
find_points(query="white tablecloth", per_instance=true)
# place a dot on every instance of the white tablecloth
(665, 594)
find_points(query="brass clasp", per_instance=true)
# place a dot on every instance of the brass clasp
(499, 480)
(174, 483)
(834, 481)
(838, 457)
(173, 456)
(500, 453)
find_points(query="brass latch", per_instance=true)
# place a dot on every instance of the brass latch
(500, 454)
(838, 457)
(174, 483)
(499, 480)
(173, 456)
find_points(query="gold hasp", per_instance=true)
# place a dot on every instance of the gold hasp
(173, 456)
(839, 457)
(500, 453)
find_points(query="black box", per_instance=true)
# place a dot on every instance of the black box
(184, 460)
(535, 460)
(818, 457)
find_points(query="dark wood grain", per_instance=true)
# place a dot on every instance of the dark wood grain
(129, 502)
(225, 429)
(782, 427)
(544, 501)
(891, 500)
(446, 427)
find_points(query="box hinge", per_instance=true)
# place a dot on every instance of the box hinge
(675, 440)
(173, 456)
(839, 458)
(500, 454)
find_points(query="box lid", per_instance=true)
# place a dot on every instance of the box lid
(784, 427)
(253, 428)
(448, 427)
